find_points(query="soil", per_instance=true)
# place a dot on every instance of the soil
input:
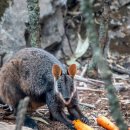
(97, 98)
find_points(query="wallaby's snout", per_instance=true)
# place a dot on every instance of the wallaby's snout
(67, 99)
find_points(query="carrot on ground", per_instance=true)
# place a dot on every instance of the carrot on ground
(79, 125)
(106, 123)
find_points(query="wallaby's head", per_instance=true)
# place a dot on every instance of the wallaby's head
(64, 83)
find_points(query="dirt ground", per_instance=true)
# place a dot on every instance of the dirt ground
(95, 98)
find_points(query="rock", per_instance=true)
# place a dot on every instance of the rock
(53, 30)
(12, 25)
(3, 5)
(119, 31)
(7, 126)
(124, 2)
(12, 28)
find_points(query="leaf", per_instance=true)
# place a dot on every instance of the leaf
(73, 61)
(81, 48)
(40, 119)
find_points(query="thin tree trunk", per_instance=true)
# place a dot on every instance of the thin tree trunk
(34, 26)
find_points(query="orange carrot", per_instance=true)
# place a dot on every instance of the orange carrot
(79, 125)
(106, 123)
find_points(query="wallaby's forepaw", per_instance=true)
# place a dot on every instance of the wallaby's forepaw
(52, 118)
(6, 107)
(85, 120)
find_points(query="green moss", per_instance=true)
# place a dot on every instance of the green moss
(3, 5)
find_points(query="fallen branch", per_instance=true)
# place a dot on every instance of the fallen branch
(40, 119)
(120, 70)
(87, 105)
(84, 70)
(74, 13)
(41, 111)
(125, 101)
(123, 77)
(89, 89)
(89, 80)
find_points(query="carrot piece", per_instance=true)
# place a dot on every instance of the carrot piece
(106, 123)
(79, 125)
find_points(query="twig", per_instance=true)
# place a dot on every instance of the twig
(74, 13)
(87, 105)
(41, 111)
(89, 80)
(89, 89)
(22, 108)
(119, 70)
(125, 101)
(123, 77)
(40, 119)
(99, 100)
(84, 70)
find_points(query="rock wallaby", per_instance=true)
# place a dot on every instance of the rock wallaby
(38, 74)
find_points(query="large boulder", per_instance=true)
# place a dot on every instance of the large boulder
(12, 26)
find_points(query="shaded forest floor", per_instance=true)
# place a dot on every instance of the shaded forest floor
(96, 97)
(100, 101)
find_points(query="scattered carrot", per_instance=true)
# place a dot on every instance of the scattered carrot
(79, 125)
(106, 123)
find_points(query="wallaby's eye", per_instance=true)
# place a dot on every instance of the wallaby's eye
(59, 87)
(71, 86)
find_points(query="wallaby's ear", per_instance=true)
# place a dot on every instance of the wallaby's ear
(56, 71)
(72, 70)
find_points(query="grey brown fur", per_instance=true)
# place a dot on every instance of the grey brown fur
(29, 73)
